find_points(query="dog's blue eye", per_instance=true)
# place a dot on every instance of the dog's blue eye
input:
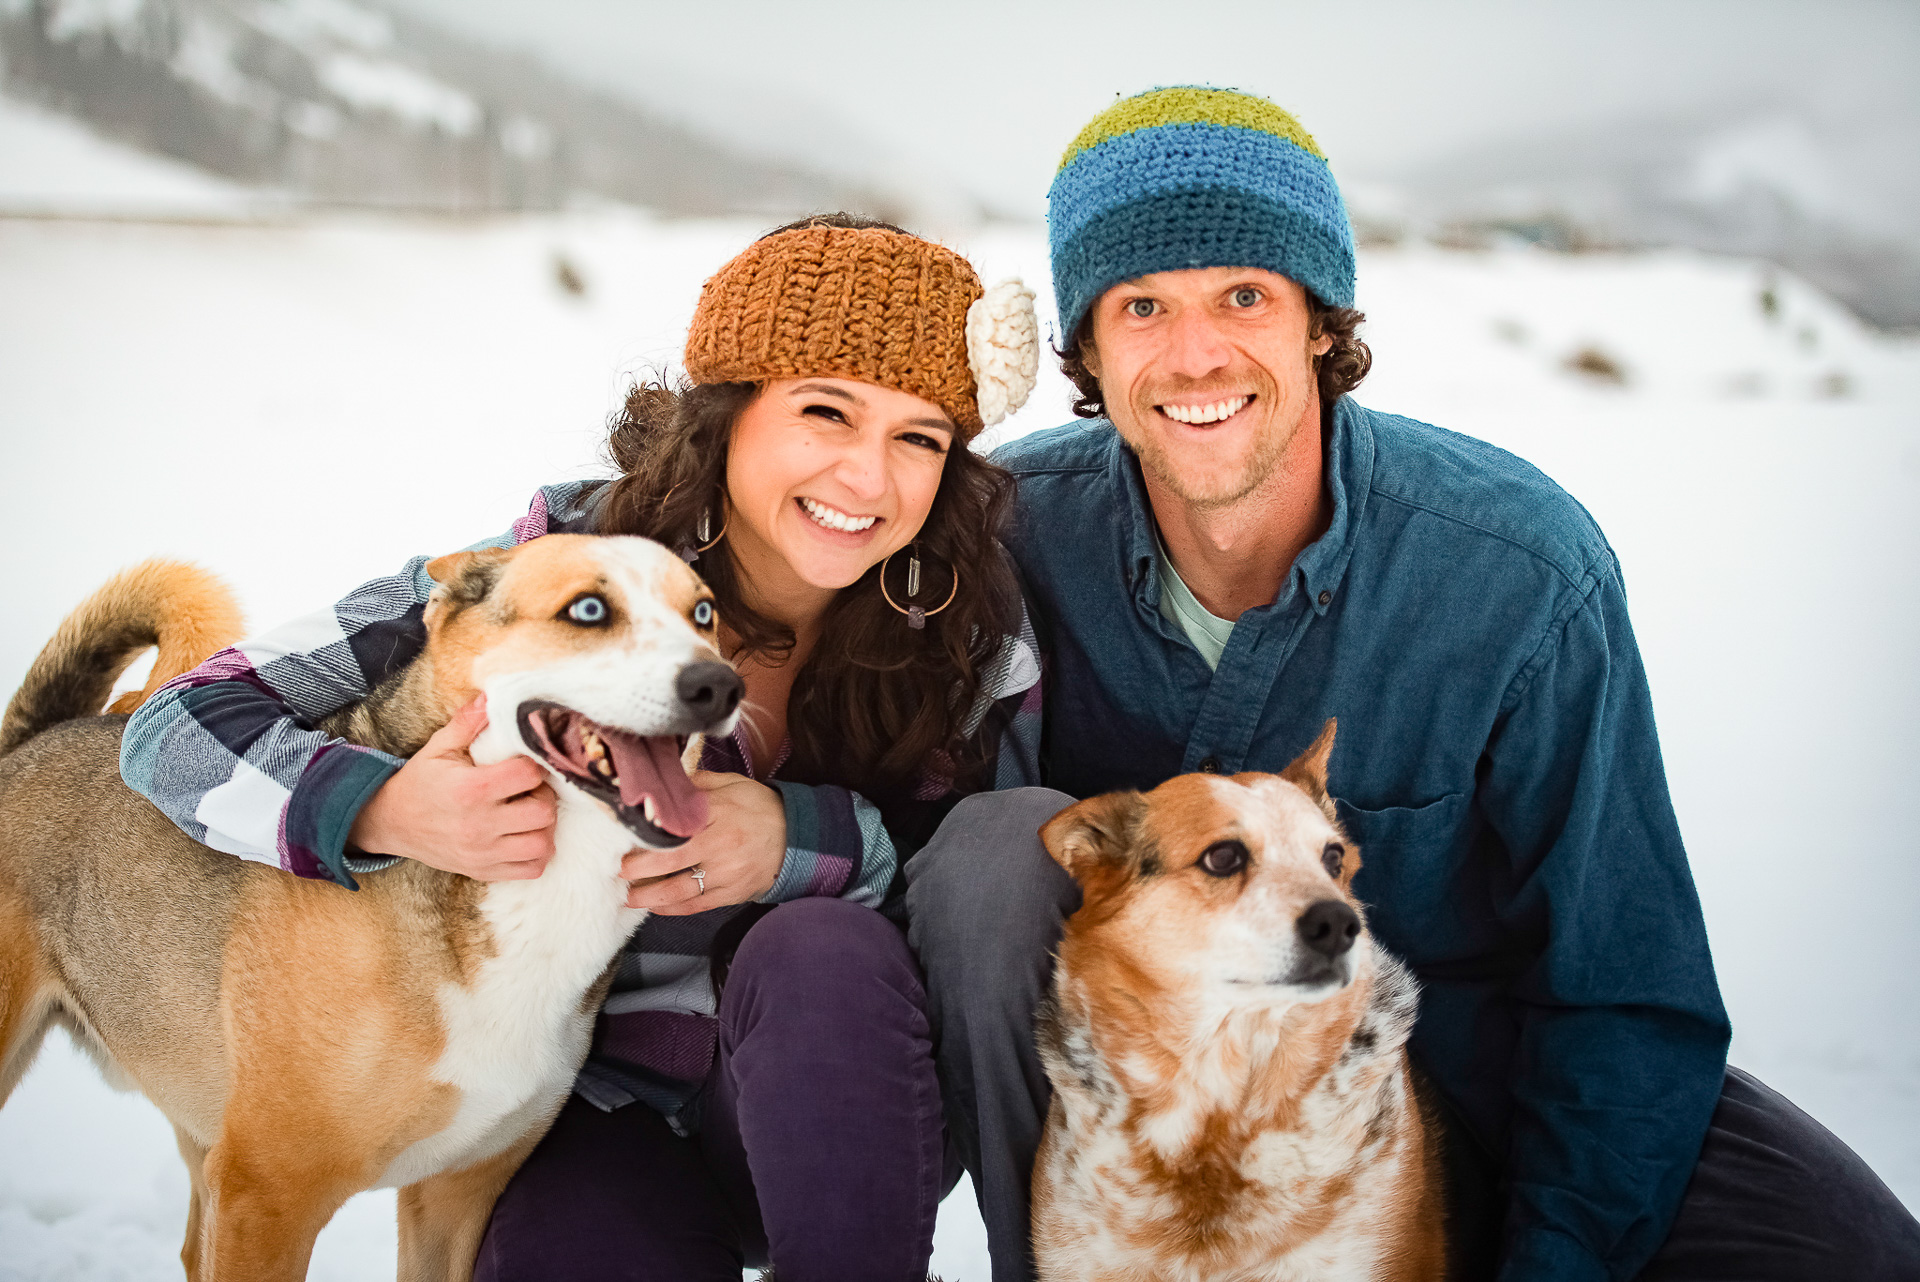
(588, 610)
(1223, 859)
(702, 613)
(1334, 857)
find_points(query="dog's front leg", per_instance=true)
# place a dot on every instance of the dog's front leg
(261, 1211)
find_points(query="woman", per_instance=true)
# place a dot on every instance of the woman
(817, 471)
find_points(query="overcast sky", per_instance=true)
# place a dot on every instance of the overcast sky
(988, 93)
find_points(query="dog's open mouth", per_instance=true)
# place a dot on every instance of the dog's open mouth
(638, 776)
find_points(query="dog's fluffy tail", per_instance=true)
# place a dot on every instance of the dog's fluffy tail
(180, 608)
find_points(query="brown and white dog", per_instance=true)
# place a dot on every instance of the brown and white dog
(1231, 1097)
(305, 1043)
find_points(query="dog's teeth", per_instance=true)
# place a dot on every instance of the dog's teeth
(599, 762)
(648, 809)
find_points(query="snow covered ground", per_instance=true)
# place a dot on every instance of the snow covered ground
(303, 404)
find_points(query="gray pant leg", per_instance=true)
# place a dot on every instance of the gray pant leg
(985, 903)
(1777, 1197)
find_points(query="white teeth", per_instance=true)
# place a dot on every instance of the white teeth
(647, 808)
(834, 519)
(1197, 414)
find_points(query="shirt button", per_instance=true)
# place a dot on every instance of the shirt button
(1210, 765)
(1325, 597)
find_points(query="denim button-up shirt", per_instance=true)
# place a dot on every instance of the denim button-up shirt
(1496, 763)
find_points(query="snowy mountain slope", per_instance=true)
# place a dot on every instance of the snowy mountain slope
(54, 164)
(347, 103)
(302, 405)
(1832, 200)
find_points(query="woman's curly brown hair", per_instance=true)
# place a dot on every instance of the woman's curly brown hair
(1337, 372)
(876, 701)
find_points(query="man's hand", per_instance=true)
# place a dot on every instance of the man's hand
(491, 823)
(740, 850)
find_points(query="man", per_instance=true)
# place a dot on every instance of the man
(1238, 551)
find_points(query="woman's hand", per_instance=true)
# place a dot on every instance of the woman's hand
(740, 850)
(491, 823)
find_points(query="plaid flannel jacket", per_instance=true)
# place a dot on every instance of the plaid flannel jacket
(228, 753)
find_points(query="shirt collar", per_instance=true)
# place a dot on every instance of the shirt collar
(1321, 567)
(1136, 512)
(1349, 462)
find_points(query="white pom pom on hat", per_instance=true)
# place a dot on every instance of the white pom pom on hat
(1003, 349)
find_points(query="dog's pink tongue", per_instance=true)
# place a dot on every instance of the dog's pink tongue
(650, 767)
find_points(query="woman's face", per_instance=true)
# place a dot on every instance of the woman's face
(828, 476)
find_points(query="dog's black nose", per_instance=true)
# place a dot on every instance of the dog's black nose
(711, 691)
(1328, 927)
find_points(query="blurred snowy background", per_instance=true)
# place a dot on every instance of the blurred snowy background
(270, 267)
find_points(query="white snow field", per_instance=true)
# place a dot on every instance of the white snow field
(301, 405)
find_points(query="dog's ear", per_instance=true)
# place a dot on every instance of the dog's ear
(465, 578)
(1308, 771)
(1092, 833)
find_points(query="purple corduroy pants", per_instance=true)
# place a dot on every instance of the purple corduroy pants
(820, 1148)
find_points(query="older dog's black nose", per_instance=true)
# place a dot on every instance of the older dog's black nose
(1328, 927)
(711, 691)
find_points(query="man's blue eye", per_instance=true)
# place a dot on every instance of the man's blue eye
(702, 613)
(1246, 296)
(1141, 307)
(588, 610)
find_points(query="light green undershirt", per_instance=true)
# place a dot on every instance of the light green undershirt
(1207, 631)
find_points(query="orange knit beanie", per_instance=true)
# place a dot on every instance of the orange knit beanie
(873, 305)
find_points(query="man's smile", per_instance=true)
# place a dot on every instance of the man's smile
(1208, 413)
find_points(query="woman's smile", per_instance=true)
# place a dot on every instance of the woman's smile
(828, 517)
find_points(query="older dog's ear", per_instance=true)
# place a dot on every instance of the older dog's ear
(1308, 771)
(466, 578)
(1092, 832)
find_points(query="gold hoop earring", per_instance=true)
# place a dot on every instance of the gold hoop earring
(916, 617)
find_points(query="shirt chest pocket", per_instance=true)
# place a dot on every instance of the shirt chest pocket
(1415, 875)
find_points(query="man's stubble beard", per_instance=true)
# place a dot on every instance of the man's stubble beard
(1211, 491)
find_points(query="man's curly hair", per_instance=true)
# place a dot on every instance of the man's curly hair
(1338, 372)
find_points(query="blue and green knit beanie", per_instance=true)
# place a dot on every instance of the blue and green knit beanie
(1191, 177)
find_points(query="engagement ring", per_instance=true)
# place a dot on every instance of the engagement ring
(699, 876)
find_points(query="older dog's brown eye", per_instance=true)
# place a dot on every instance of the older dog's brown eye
(1223, 859)
(1334, 856)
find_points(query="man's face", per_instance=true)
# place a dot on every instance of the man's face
(1207, 374)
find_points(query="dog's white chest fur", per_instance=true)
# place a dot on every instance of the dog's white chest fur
(517, 1033)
